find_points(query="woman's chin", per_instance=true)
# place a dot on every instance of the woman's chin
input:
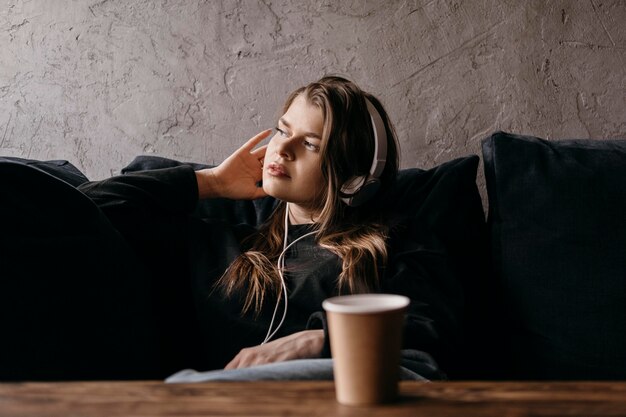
(272, 191)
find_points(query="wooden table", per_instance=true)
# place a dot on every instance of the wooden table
(467, 399)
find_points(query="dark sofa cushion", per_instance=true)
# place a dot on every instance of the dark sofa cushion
(557, 215)
(443, 205)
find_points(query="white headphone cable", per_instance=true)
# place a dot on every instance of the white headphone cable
(280, 264)
(269, 334)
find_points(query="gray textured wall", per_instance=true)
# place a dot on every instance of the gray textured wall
(98, 82)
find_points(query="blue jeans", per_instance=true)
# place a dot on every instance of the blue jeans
(411, 367)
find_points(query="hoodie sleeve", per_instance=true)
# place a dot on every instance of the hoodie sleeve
(318, 321)
(173, 190)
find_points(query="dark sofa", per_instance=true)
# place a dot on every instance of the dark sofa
(544, 277)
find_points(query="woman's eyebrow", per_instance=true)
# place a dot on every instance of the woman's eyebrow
(307, 134)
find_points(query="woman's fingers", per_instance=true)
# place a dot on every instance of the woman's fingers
(259, 153)
(300, 345)
(255, 140)
(239, 174)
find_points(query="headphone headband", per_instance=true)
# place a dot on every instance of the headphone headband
(380, 141)
(360, 189)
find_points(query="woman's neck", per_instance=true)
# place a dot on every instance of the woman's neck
(300, 215)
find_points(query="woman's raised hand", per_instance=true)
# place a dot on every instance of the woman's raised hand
(237, 177)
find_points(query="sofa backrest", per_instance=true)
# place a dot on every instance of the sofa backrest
(553, 306)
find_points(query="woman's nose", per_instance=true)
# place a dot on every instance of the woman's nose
(284, 147)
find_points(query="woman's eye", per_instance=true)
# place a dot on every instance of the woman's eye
(311, 146)
(281, 132)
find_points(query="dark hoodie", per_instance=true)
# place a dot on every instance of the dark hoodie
(186, 254)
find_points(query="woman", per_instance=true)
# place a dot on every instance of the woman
(258, 290)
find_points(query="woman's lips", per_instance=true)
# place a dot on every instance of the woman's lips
(277, 170)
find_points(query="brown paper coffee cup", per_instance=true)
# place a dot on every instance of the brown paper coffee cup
(365, 339)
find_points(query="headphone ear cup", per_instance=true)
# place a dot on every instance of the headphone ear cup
(358, 191)
(352, 186)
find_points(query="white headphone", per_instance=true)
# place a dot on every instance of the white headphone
(360, 189)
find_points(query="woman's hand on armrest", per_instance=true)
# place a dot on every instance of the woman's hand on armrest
(236, 178)
(302, 345)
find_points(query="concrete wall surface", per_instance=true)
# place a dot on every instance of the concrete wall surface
(98, 82)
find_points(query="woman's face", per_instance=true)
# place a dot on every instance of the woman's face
(292, 171)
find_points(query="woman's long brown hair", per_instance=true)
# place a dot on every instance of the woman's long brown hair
(353, 234)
